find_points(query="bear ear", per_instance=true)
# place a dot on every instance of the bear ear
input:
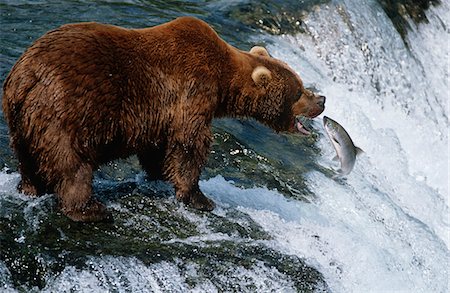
(261, 75)
(259, 51)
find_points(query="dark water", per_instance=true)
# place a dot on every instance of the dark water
(258, 239)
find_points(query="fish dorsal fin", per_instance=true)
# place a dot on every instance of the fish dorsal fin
(336, 158)
(359, 151)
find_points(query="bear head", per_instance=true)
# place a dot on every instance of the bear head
(281, 99)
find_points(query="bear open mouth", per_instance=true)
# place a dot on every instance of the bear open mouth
(300, 122)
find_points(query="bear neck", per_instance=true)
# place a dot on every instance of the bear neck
(239, 96)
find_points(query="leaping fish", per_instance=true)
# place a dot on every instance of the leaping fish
(345, 149)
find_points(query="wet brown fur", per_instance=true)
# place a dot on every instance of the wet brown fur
(88, 93)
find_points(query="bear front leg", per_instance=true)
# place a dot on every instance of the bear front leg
(183, 166)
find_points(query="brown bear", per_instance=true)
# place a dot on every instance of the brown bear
(88, 93)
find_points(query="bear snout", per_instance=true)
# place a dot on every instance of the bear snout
(321, 102)
(319, 106)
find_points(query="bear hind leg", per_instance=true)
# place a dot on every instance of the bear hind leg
(31, 183)
(74, 191)
(71, 178)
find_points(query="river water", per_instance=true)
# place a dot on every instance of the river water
(282, 224)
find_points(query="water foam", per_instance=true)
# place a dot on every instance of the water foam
(8, 182)
(130, 274)
(354, 235)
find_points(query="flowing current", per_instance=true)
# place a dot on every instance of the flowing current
(282, 224)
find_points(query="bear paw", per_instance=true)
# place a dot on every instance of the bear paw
(94, 211)
(197, 200)
(27, 188)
